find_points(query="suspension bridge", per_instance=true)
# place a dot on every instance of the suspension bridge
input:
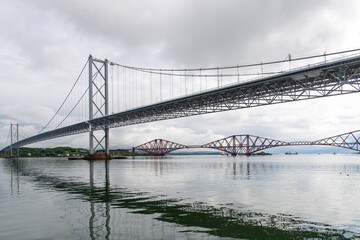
(107, 95)
(248, 144)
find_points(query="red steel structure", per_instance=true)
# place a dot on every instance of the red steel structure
(160, 147)
(248, 144)
(350, 140)
(244, 144)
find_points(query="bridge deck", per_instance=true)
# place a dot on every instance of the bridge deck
(327, 79)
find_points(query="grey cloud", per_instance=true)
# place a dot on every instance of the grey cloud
(198, 32)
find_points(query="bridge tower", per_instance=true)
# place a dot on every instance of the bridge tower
(98, 105)
(14, 133)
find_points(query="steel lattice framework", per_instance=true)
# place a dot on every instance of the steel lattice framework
(349, 140)
(160, 147)
(248, 144)
(98, 102)
(244, 144)
(322, 80)
(14, 132)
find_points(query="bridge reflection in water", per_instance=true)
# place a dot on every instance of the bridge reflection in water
(118, 213)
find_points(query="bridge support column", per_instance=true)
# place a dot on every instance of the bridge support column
(233, 150)
(14, 132)
(98, 107)
(247, 145)
(133, 152)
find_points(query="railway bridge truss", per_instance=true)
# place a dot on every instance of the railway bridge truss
(248, 144)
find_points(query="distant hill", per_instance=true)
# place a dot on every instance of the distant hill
(52, 152)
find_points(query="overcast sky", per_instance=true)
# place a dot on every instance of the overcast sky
(44, 44)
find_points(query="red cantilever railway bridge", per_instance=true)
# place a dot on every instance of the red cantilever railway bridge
(249, 144)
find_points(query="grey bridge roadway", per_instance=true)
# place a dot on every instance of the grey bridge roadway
(322, 80)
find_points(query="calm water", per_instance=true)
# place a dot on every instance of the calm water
(182, 197)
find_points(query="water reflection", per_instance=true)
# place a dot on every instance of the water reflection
(14, 178)
(116, 213)
(95, 228)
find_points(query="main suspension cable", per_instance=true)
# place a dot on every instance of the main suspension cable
(157, 70)
(72, 108)
(66, 96)
(23, 133)
(8, 136)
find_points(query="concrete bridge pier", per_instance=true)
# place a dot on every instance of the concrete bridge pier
(133, 152)
(5, 154)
